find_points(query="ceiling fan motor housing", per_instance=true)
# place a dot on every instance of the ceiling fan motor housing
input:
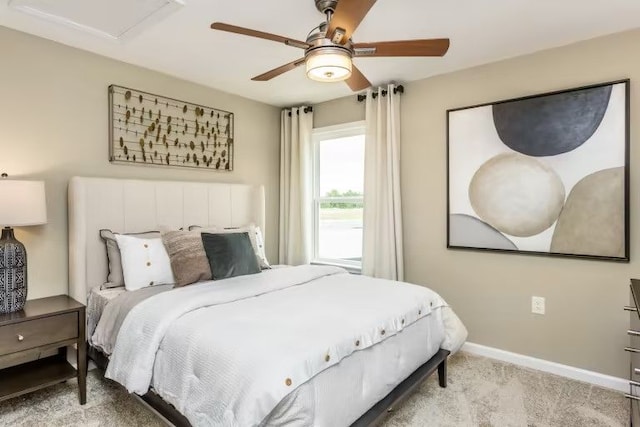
(325, 6)
(319, 43)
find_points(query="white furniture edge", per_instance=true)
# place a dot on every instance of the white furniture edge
(129, 205)
(579, 374)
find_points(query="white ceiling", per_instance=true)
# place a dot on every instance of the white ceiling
(115, 19)
(182, 44)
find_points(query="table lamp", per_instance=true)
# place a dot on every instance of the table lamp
(22, 203)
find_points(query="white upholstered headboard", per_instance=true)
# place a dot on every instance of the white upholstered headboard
(125, 205)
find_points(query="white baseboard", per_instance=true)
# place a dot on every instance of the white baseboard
(607, 381)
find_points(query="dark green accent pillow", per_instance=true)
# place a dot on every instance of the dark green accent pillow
(230, 255)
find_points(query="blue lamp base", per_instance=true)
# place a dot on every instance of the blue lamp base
(13, 273)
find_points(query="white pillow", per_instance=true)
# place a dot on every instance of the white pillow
(260, 250)
(145, 262)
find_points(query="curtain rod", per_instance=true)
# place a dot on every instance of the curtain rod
(397, 89)
(305, 110)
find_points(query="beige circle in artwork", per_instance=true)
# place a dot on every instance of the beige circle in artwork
(516, 194)
(592, 221)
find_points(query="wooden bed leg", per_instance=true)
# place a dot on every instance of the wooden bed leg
(442, 373)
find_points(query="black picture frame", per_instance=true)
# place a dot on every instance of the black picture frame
(564, 117)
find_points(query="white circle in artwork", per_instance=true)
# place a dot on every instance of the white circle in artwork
(516, 194)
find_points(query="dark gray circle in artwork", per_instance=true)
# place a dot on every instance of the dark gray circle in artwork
(553, 124)
(470, 232)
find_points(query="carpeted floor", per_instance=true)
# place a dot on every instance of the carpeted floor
(481, 392)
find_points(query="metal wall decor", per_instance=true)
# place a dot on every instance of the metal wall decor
(156, 130)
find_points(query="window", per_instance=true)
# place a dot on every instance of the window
(338, 188)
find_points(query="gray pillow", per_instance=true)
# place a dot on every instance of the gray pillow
(188, 260)
(230, 255)
(115, 277)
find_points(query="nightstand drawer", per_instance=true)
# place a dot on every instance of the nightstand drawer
(34, 333)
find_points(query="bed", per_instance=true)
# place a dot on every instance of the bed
(295, 345)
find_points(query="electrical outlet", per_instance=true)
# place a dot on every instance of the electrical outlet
(537, 305)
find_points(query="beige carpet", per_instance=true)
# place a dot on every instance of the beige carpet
(481, 392)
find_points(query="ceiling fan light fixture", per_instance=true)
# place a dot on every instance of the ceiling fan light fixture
(329, 65)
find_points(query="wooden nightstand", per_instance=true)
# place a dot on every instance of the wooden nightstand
(44, 325)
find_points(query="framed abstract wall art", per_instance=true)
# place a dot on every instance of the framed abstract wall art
(155, 130)
(545, 174)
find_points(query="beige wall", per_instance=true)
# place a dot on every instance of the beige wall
(341, 110)
(584, 325)
(54, 125)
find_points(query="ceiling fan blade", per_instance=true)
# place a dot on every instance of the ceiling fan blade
(277, 71)
(357, 81)
(259, 34)
(428, 47)
(347, 17)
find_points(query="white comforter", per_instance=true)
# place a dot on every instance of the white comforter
(274, 331)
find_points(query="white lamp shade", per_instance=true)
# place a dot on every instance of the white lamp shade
(329, 66)
(22, 203)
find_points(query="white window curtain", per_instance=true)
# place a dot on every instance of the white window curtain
(382, 240)
(295, 185)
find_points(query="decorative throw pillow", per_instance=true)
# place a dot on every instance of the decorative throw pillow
(144, 262)
(188, 259)
(230, 254)
(115, 277)
(255, 235)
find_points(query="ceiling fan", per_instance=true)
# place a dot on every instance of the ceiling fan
(329, 50)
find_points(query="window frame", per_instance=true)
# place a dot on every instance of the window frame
(318, 135)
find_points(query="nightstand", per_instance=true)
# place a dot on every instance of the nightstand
(43, 326)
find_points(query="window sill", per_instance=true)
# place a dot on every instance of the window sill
(352, 269)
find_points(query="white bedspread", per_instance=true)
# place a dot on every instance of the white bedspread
(302, 321)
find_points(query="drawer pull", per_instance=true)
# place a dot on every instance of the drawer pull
(629, 308)
(636, 371)
(20, 338)
(632, 350)
(630, 396)
(633, 333)
(634, 383)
